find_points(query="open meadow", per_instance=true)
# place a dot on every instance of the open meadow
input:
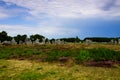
(60, 62)
(59, 39)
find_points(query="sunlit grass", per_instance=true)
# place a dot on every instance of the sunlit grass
(29, 70)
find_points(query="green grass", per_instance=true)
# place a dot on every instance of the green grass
(51, 53)
(30, 70)
(32, 67)
(83, 55)
(30, 75)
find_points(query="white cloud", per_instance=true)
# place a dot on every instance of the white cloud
(52, 16)
(3, 14)
(47, 31)
(70, 8)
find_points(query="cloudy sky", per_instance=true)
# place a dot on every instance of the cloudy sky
(61, 18)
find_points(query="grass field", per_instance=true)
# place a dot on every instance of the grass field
(30, 70)
(77, 52)
(41, 62)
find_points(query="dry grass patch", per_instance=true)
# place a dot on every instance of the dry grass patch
(29, 70)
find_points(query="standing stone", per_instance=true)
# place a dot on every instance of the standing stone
(53, 42)
(62, 42)
(49, 42)
(0, 42)
(112, 41)
(6, 43)
(43, 40)
(88, 41)
(58, 41)
(36, 41)
(118, 41)
(13, 42)
(20, 42)
(28, 41)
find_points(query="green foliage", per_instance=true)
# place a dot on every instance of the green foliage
(83, 55)
(20, 38)
(71, 39)
(117, 56)
(53, 53)
(4, 36)
(36, 36)
(102, 54)
(52, 56)
(99, 39)
(8, 52)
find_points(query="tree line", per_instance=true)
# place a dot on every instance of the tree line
(4, 37)
(101, 39)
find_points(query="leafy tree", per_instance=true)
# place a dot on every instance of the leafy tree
(9, 38)
(17, 38)
(36, 36)
(4, 33)
(4, 36)
(23, 37)
(20, 38)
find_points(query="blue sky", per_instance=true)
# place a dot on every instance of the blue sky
(61, 18)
